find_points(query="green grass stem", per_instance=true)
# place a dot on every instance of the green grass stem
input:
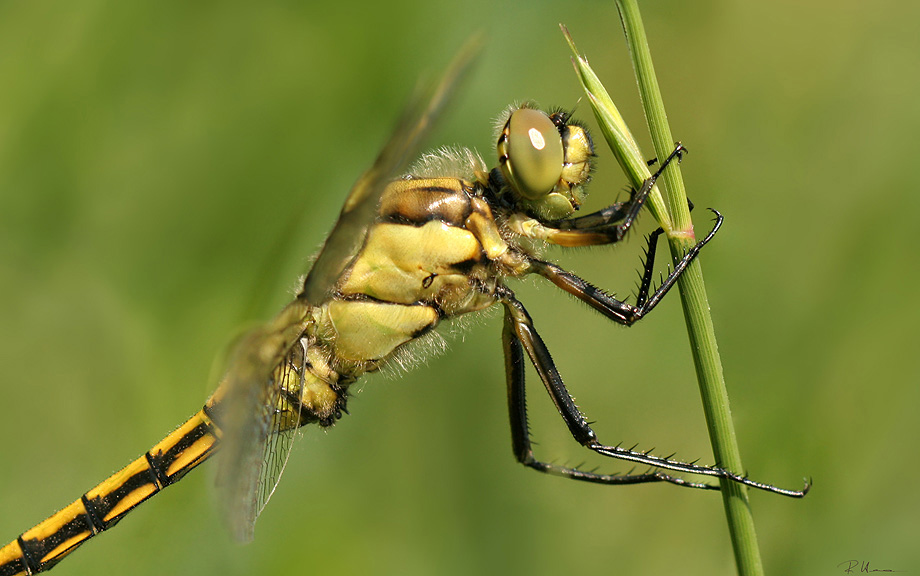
(674, 217)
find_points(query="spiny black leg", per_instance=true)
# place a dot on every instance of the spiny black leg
(614, 309)
(518, 326)
(639, 198)
(617, 310)
(602, 218)
(683, 151)
(519, 332)
(645, 306)
(517, 401)
(655, 461)
(602, 221)
(648, 268)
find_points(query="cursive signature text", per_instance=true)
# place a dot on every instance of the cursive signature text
(860, 566)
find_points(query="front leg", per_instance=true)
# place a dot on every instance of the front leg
(607, 226)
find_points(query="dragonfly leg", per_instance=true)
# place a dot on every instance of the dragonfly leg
(519, 336)
(608, 225)
(518, 328)
(618, 310)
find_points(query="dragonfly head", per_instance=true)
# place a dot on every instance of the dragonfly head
(545, 161)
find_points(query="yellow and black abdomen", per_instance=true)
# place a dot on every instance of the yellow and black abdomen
(428, 257)
(40, 548)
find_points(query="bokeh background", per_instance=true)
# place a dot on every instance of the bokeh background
(154, 155)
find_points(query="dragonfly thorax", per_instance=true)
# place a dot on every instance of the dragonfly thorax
(441, 243)
(430, 255)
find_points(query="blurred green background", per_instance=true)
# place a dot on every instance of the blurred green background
(153, 154)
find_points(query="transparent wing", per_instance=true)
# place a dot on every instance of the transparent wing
(253, 409)
(360, 207)
(287, 382)
(258, 401)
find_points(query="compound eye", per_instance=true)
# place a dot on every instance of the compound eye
(532, 152)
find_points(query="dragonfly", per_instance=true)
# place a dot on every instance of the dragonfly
(406, 255)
